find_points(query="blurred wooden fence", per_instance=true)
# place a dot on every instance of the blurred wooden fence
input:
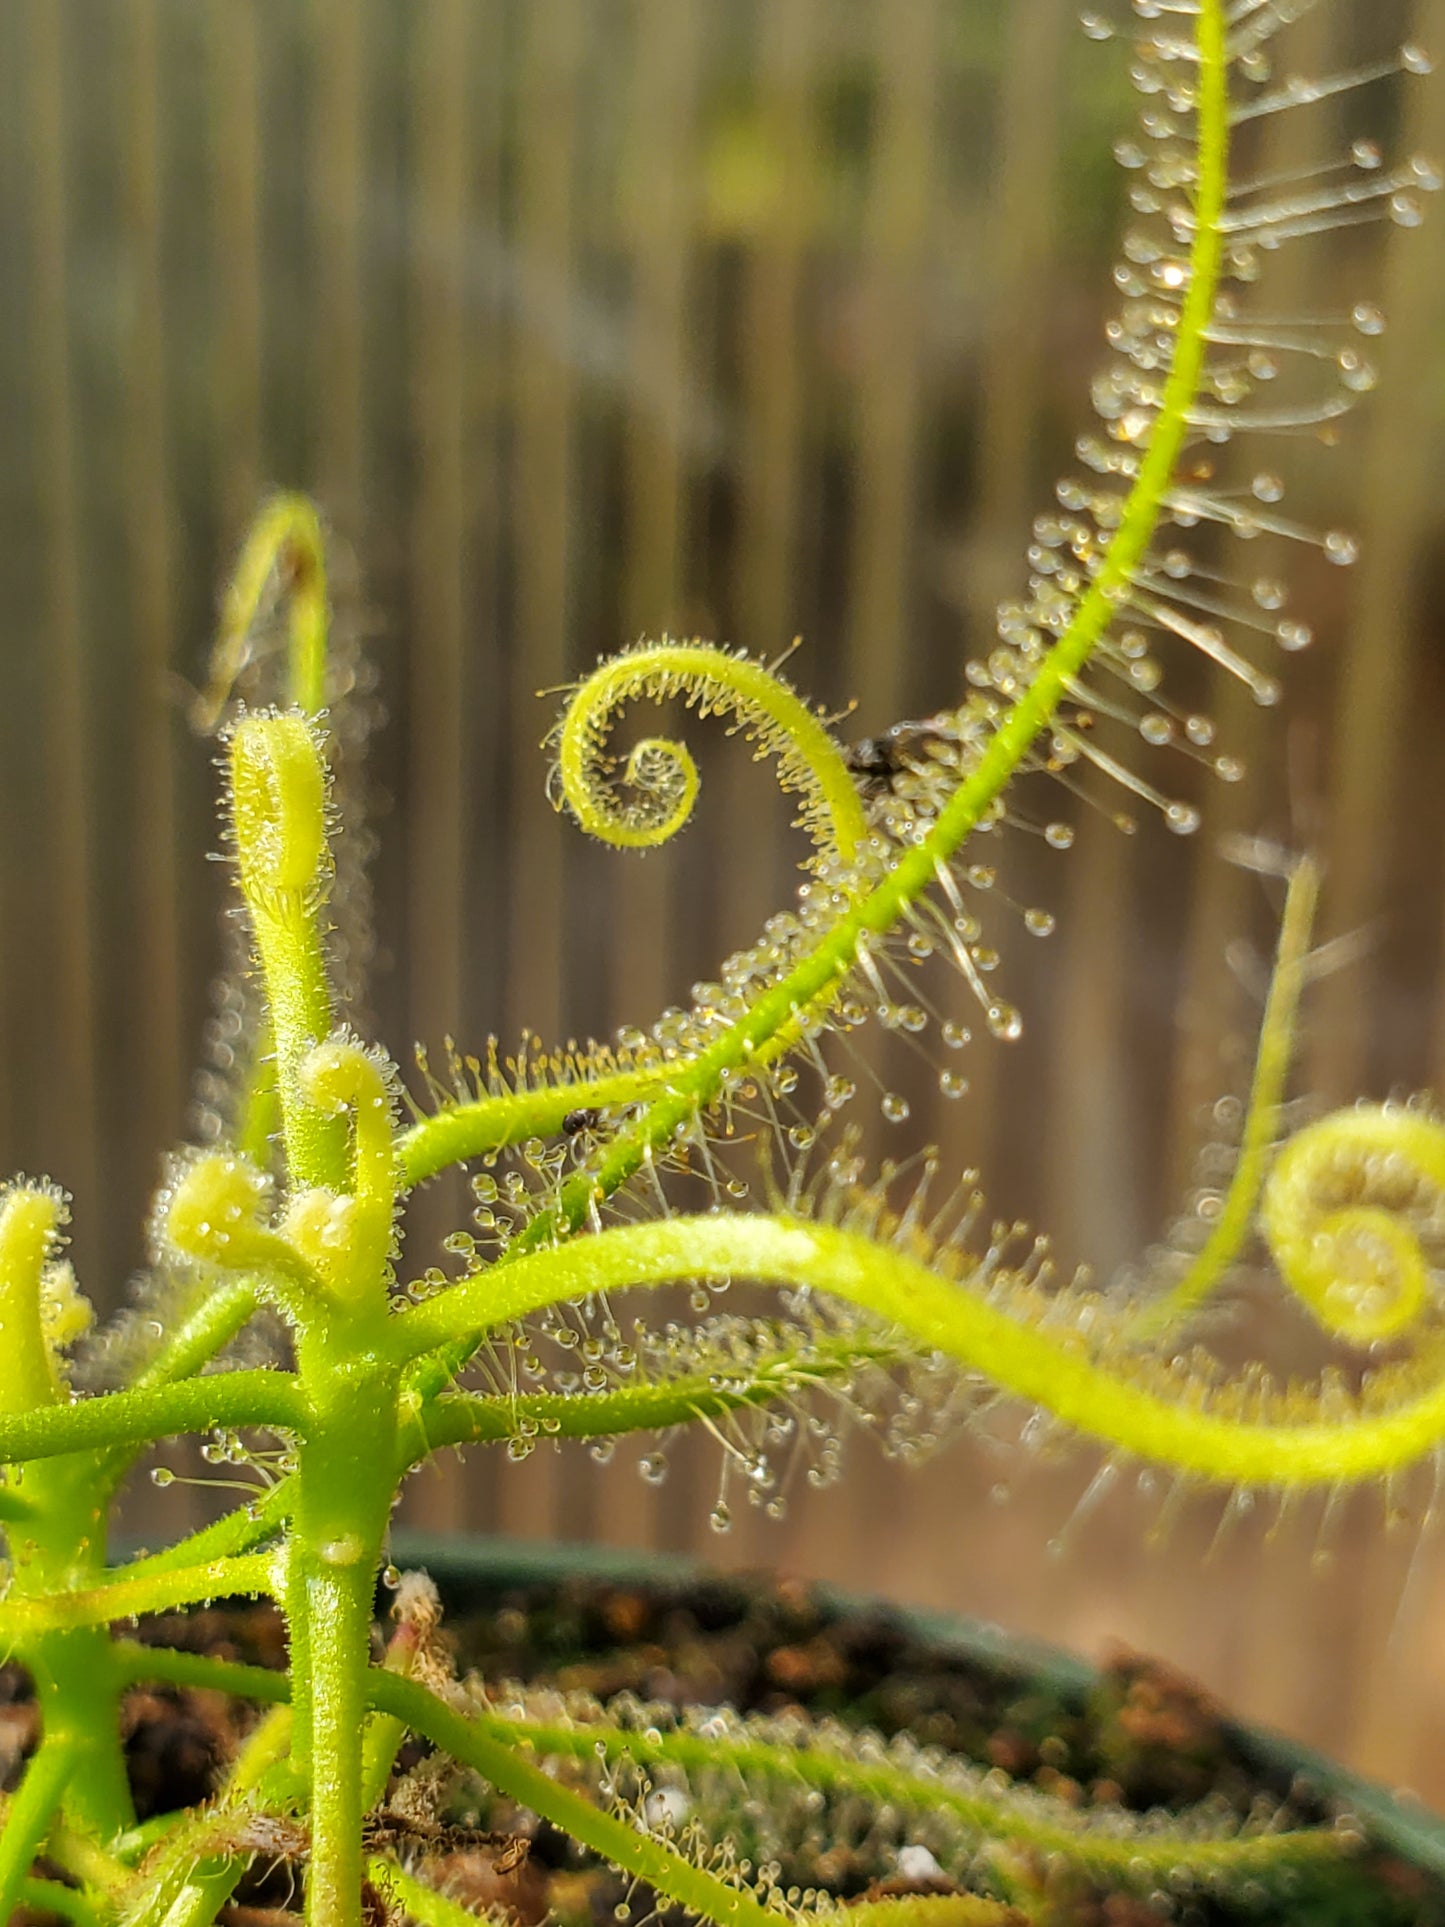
(592, 318)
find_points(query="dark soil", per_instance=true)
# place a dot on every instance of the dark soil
(1145, 1738)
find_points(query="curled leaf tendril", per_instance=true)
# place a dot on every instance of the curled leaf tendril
(660, 778)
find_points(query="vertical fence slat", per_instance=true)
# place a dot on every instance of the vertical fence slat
(437, 853)
(237, 276)
(776, 461)
(69, 1088)
(338, 29)
(151, 532)
(888, 382)
(772, 430)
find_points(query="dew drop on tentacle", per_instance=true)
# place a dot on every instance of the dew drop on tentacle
(1182, 818)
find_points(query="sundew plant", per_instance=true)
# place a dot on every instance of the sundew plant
(602, 1172)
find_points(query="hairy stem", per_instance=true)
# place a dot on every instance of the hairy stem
(278, 820)
(30, 1811)
(345, 1486)
(285, 548)
(125, 1598)
(1303, 1447)
(239, 1531)
(1137, 1858)
(265, 1399)
(1271, 1069)
(49, 1897)
(789, 1372)
(618, 1840)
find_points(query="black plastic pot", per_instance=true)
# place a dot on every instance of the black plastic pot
(473, 1573)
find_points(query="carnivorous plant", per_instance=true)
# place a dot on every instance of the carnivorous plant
(604, 1171)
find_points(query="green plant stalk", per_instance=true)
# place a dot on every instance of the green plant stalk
(461, 1131)
(138, 1663)
(234, 1532)
(344, 1485)
(27, 1616)
(286, 537)
(464, 1418)
(619, 1841)
(338, 1227)
(345, 1494)
(50, 1897)
(1137, 1860)
(1271, 1070)
(1035, 1364)
(421, 1903)
(278, 808)
(299, 1001)
(60, 1544)
(459, 1419)
(266, 1399)
(219, 1317)
(30, 1811)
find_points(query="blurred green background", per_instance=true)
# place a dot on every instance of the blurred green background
(589, 319)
